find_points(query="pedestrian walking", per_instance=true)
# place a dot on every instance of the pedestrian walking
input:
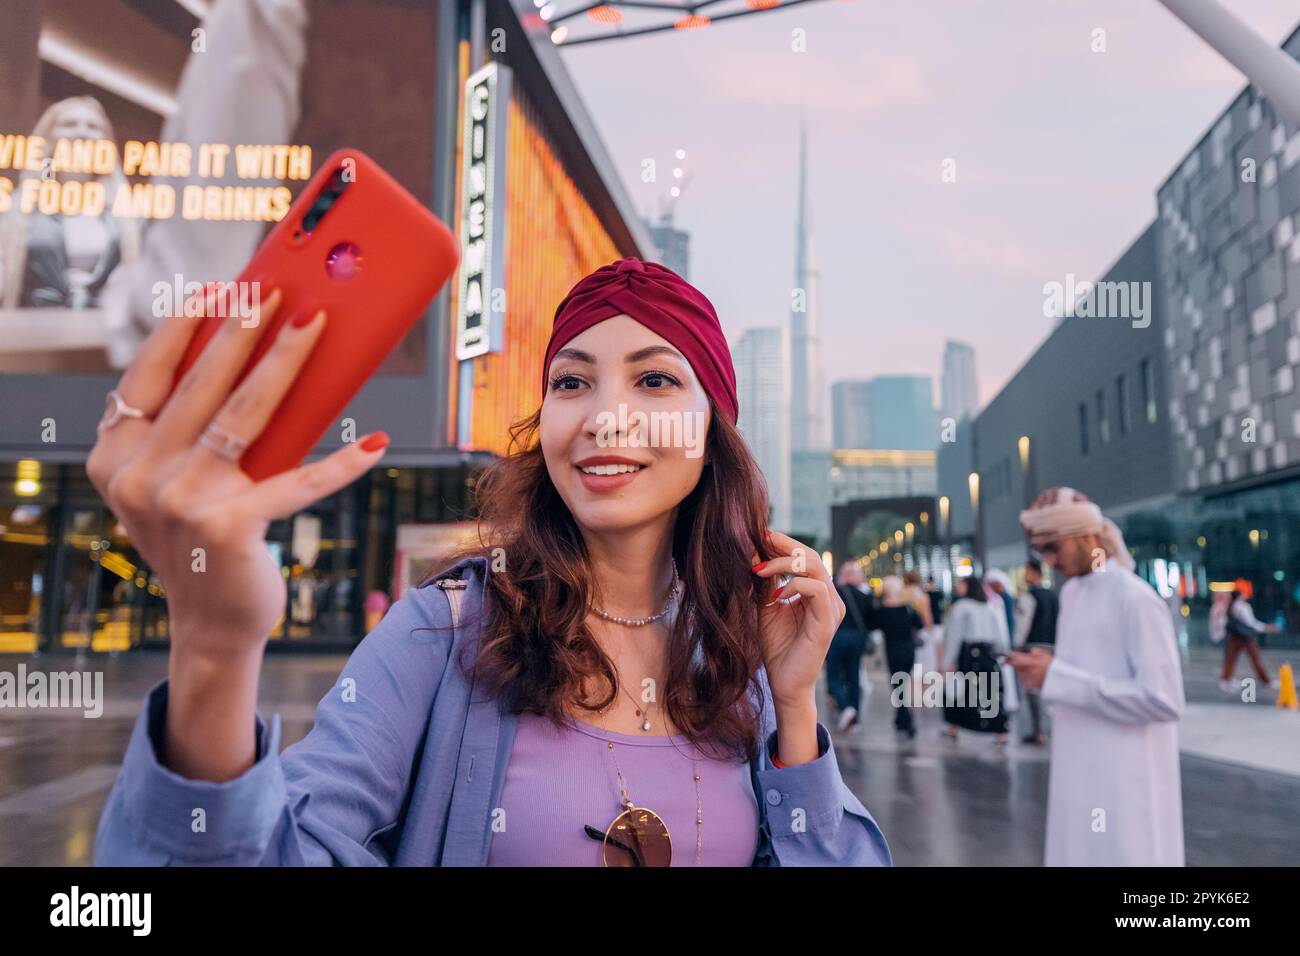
(844, 661)
(1242, 631)
(901, 625)
(975, 635)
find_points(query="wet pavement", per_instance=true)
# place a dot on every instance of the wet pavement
(973, 802)
(939, 803)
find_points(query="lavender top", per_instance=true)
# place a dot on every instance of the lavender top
(557, 780)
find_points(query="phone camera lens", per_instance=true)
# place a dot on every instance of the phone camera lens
(343, 261)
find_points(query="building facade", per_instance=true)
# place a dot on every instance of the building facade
(902, 413)
(672, 246)
(958, 391)
(809, 427)
(762, 360)
(954, 466)
(872, 473)
(1230, 260)
(1087, 410)
(1230, 266)
(391, 77)
(810, 497)
(851, 414)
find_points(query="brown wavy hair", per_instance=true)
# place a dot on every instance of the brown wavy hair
(537, 651)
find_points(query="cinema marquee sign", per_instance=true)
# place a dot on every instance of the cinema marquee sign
(479, 326)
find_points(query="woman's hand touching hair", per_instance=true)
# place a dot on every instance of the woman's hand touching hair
(797, 636)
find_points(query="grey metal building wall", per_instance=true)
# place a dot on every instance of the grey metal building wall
(1230, 260)
(954, 461)
(1131, 463)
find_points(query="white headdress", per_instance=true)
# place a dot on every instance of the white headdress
(1066, 517)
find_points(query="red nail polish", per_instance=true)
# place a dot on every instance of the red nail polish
(304, 319)
(777, 593)
(760, 566)
(375, 442)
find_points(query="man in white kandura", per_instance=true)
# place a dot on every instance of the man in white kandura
(1115, 686)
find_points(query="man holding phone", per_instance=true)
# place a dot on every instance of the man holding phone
(1115, 686)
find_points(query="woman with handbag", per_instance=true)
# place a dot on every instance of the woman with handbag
(975, 633)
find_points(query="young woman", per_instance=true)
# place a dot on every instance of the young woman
(974, 633)
(612, 678)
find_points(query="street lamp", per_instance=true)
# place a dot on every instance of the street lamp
(28, 482)
(945, 531)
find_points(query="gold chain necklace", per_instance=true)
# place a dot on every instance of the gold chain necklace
(645, 717)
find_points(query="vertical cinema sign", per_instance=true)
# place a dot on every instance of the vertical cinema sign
(479, 325)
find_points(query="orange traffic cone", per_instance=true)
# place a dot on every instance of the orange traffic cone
(1286, 695)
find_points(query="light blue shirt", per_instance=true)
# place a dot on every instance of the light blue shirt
(403, 768)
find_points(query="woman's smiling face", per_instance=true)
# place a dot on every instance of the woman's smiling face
(624, 425)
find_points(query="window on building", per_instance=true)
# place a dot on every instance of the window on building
(1103, 423)
(1149, 390)
(1083, 428)
(1121, 403)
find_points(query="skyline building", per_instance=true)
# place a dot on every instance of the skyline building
(851, 413)
(958, 390)
(902, 413)
(808, 425)
(762, 361)
(672, 246)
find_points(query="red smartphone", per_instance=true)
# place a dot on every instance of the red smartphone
(358, 245)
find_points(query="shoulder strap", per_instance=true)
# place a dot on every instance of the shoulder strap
(854, 609)
(454, 590)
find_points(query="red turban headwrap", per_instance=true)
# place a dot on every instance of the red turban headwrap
(663, 302)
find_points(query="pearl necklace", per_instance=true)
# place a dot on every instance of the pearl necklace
(641, 621)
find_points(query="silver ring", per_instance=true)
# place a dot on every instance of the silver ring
(781, 581)
(218, 440)
(116, 409)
